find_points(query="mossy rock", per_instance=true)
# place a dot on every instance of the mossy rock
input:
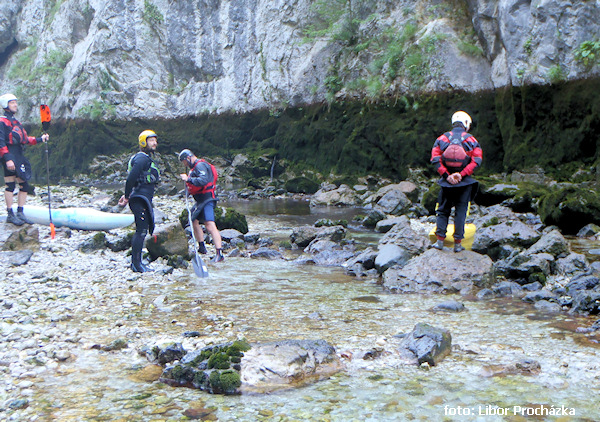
(346, 180)
(301, 185)
(326, 222)
(228, 218)
(541, 277)
(430, 198)
(183, 218)
(219, 361)
(97, 242)
(570, 208)
(229, 381)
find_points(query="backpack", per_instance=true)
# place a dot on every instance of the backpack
(210, 187)
(14, 129)
(455, 157)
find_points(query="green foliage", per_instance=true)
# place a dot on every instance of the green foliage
(152, 14)
(23, 66)
(107, 82)
(96, 110)
(333, 83)
(556, 74)
(53, 10)
(527, 46)
(588, 54)
(470, 49)
(327, 16)
(45, 80)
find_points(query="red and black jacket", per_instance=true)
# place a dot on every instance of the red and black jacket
(474, 154)
(202, 179)
(12, 137)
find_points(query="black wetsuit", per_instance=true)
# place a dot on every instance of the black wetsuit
(139, 189)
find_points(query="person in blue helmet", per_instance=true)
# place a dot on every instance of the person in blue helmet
(141, 182)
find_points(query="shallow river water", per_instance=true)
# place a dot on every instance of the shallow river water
(272, 300)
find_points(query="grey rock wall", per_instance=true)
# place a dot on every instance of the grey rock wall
(129, 59)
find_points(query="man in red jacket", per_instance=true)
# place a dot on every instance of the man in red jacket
(16, 167)
(201, 183)
(455, 155)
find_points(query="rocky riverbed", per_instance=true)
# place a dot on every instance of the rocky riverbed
(74, 324)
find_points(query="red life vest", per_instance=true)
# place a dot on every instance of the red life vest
(16, 129)
(455, 156)
(209, 187)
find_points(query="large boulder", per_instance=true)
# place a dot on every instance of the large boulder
(403, 236)
(553, 243)
(13, 238)
(390, 255)
(289, 363)
(328, 196)
(167, 241)
(512, 233)
(393, 202)
(359, 264)
(328, 253)
(440, 272)
(229, 218)
(303, 235)
(428, 344)
(526, 266)
(570, 208)
(239, 367)
(15, 258)
(301, 185)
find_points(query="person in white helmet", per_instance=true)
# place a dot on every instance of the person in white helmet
(455, 155)
(17, 169)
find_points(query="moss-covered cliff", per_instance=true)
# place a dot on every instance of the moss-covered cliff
(518, 128)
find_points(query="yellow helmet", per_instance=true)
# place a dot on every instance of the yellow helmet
(143, 138)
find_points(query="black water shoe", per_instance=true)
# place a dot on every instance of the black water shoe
(22, 217)
(12, 218)
(202, 248)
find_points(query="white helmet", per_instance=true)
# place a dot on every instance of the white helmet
(462, 117)
(5, 99)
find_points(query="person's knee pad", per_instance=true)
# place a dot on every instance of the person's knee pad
(23, 186)
(10, 187)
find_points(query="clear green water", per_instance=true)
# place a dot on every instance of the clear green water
(271, 300)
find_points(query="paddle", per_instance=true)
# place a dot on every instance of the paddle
(199, 266)
(46, 118)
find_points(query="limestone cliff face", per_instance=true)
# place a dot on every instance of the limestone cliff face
(129, 59)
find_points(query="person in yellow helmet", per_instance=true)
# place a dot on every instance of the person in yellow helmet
(139, 191)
